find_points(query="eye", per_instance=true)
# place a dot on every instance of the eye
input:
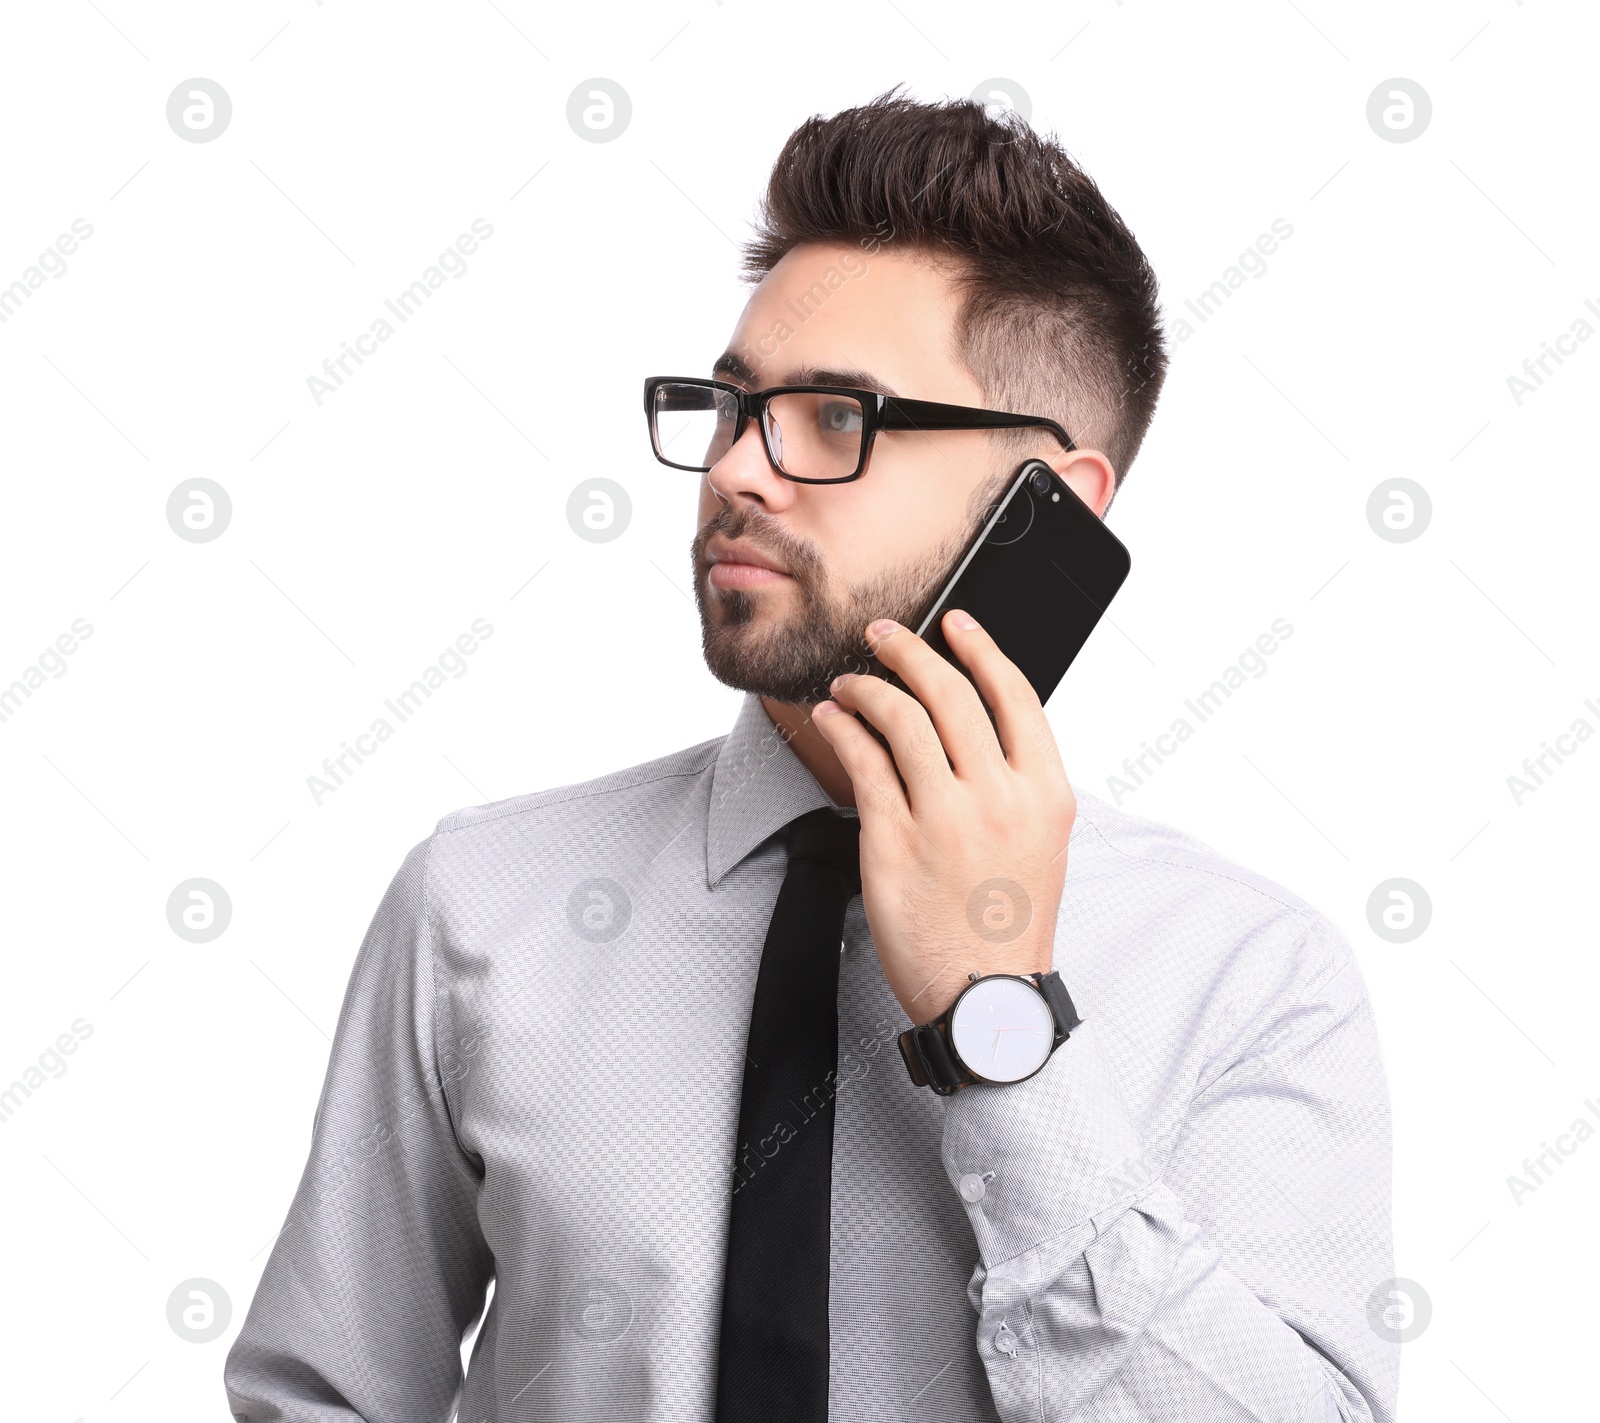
(840, 417)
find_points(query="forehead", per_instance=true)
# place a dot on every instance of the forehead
(891, 314)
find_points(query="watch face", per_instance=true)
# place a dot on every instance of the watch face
(1002, 1028)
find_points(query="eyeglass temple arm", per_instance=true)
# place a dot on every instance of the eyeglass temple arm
(895, 413)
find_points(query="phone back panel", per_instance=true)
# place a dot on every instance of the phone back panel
(1038, 579)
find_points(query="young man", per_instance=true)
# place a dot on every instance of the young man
(628, 1049)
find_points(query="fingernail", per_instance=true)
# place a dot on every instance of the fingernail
(959, 619)
(824, 709)
(883, 627)
(843, 680)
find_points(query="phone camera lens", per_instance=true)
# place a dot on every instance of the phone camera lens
(1040, 482)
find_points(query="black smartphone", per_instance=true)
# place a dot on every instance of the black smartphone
(1038, 577)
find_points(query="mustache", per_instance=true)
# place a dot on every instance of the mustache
(800, 557)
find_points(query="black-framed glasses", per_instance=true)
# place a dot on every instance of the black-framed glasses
(813, 434)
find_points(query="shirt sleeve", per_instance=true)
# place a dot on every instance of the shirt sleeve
(1227, 1280)
(380, 1267)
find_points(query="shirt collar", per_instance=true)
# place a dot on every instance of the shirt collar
(757, 787)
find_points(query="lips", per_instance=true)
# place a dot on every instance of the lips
(742, 567)
(722, 551)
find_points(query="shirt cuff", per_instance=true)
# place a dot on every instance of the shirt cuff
(1032, 1160)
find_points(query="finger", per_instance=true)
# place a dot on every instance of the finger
(918, 752)
(1025, 734)
(869, 766)
(951, 701)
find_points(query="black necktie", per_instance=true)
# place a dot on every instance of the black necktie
(773, 1363)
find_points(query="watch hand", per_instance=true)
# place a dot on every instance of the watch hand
(995, 1057)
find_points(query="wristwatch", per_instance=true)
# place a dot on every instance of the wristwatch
(1002, 1028)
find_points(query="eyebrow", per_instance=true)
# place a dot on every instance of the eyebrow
(732, 366)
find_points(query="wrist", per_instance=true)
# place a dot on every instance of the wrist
(937, 994)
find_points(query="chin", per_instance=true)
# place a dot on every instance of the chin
(763, 610)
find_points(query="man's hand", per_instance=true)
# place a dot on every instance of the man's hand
(962, 868)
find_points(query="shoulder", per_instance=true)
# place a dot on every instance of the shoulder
(1183, 899)
(1164, 852)
(612, 793)
(618, 793)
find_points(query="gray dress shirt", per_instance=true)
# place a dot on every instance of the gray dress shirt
(535, 1083)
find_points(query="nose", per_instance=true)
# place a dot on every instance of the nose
(746, 475)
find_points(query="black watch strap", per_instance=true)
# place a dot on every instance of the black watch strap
(1060, 1001)
(931, 1060)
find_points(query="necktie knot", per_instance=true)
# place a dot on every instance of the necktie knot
(830, 839)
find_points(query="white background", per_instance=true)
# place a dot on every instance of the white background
(369, 531)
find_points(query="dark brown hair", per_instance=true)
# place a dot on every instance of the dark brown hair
(1060, 315)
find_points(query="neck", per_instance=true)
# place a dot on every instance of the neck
(813, 752)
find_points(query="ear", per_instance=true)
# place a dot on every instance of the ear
(1088, 474)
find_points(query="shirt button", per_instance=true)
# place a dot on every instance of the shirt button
(972, 1188)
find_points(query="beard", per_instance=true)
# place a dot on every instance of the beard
(796, 660)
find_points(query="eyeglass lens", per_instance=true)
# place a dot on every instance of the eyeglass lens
(809, 434)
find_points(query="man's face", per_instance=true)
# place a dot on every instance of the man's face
(788, 575)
